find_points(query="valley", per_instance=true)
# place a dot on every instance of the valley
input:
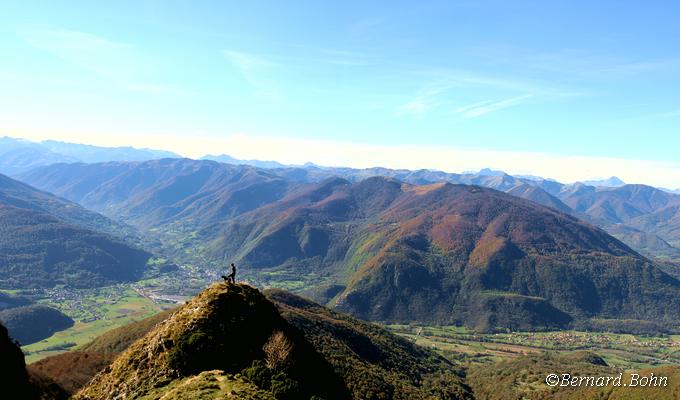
(485, 278)
(95, 311)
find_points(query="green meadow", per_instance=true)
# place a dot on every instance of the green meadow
(95, 313)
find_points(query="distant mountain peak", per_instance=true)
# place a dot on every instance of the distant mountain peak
(612, 181)
(487, 172)
(227, 159)
(535, 178)
(18, 156)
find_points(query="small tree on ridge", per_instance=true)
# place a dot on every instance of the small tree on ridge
(277, 350)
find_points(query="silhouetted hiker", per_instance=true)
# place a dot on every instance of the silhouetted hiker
(231, 278)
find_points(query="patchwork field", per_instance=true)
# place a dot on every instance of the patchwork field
(95, 312)
(623, 351)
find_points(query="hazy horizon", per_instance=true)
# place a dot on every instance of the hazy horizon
(332, 154)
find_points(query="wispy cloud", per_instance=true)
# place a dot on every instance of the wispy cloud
(445, 83)
(452, 78)
(115, 61)
(478, 109)
(424, 101)
(417, 106)
(466, 108)
(257, 71)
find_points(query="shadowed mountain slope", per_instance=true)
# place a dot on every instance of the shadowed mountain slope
(13, 373)
(371, 362)
(30, 324)
(10, 301)
(38, 250)
(16, 381)
(19, 195)
(46, 241)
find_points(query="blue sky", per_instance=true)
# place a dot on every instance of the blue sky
(595, 80)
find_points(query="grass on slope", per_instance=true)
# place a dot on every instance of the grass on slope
(210, 385)
(373, 363)
(73, 369)
(118, 339)
(524, 377)
(669, 392)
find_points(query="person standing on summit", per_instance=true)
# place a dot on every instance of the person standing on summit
(231, 278)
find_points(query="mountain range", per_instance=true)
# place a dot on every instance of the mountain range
(644, 217)
(612, 181)
(19, 155)
(163, 191)
(400, 248)
(632, 213)
(626, 218)
(227, 159)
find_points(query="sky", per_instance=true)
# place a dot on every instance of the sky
(571, 90)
